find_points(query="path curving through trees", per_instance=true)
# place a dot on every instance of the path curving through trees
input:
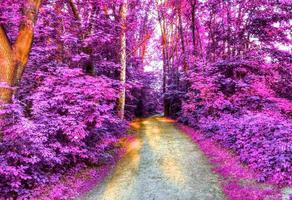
(162, 164)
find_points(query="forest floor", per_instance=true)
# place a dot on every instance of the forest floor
(162, 163)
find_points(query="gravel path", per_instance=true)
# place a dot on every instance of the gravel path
(163, 164)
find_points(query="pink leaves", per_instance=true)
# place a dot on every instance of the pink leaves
(72, 121)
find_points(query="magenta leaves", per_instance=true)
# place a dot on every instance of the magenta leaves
(73, 121)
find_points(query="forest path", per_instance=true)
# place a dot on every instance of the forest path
(162, 164)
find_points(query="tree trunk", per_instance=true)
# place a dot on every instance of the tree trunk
(165, 56)
(13, 59)
(228, 5)
(165, 71)
(74, 10)
(7, 68)
(122, 99)
(59, 31)
(193, 5)
(180, 27)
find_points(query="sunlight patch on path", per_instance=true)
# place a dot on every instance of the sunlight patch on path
(163, 164)
(124, 173)
(172, 170)
(168, 165)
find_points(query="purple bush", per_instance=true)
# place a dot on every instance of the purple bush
(237, 107)
(260, 141)
(238, 181)
(71, 122)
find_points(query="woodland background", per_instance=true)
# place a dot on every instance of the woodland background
(226, 72)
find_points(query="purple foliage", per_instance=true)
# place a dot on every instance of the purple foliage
(237, 107)
(65, 108)
(238, 182)
(224, 72)
(65, 128)
(261, 141)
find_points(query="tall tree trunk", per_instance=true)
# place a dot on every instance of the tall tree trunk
(122, 99)
(228, 5)
(7, 68)
(24, 40)
(165, 69)
(59, 30)
(13, 59)
(165, 56)
(88, 65)
(193, 5)
(165, 63)
(182, 39)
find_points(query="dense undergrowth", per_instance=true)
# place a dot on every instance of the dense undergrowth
(65, 110)
(226, 71)
(64, 129)
(243, 111)
(232, 78)
(237, 181)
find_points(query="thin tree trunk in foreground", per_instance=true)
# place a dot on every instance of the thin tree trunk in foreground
(194, 27)
(122, 99)
(163, 29)
(180, 28)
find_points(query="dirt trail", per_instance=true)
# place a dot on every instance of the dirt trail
(163, 164)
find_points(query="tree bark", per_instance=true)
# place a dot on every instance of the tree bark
(182, 39)
(193, 5)
(165, 68)
(74, 10)
(228, 7)
(13, 58)
(7, 68)
(122, 99)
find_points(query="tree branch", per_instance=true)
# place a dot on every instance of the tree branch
(23, 43)
(74, 10)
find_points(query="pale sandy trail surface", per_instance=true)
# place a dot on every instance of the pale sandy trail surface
(163, 164)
